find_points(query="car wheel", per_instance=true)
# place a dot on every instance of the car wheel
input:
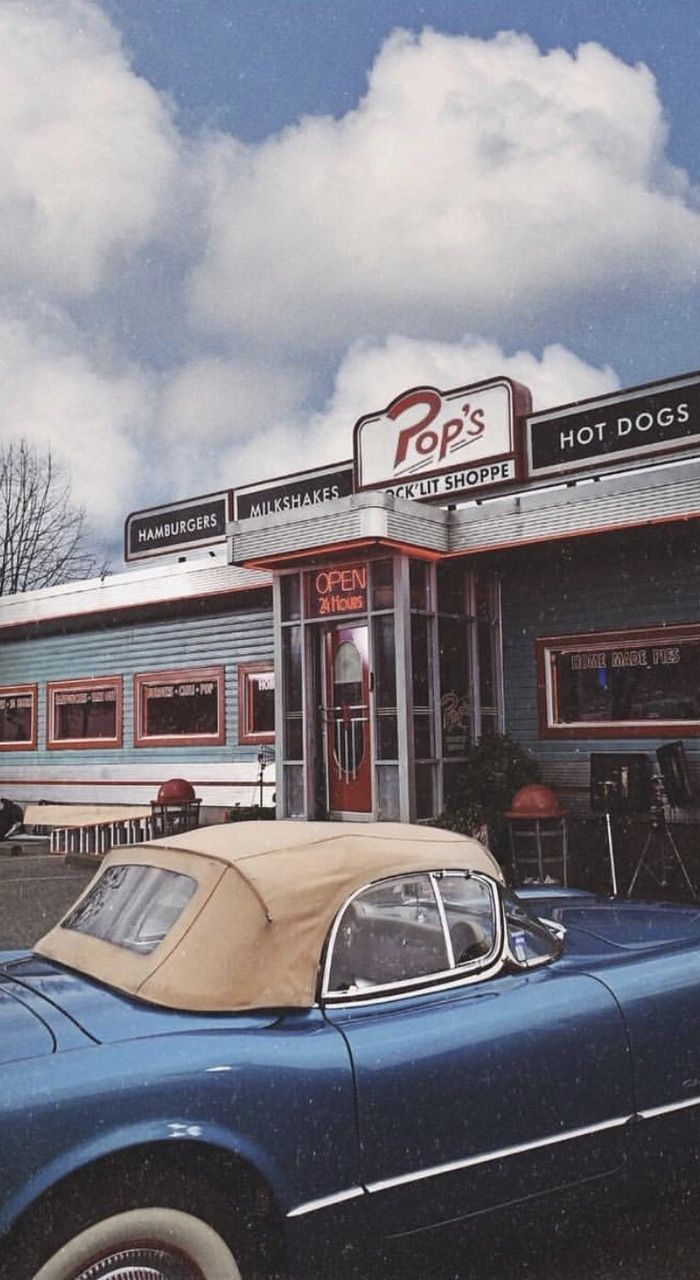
(160, 1244)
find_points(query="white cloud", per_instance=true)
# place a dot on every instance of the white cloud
(87, 151)
(476, 181)
(173, 307)
(214, 413)
(56, 400)
(371, 376)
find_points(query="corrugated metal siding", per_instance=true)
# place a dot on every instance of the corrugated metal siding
(221, 640)
(189, 580)
(658, 494)
(362, 516)
(609, 583)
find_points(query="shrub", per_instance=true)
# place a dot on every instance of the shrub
(495, 768)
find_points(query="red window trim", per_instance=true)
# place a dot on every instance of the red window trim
(181, 674)
(653, 635)
(246, 736)
(83, 744)
(19, 690)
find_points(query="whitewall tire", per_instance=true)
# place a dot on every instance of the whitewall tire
(165, 1244)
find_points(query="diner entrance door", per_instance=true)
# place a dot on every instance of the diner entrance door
(346, 719)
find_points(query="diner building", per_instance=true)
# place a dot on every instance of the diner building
(333, 641)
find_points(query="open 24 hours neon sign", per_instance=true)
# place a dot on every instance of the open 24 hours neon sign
(441, 444)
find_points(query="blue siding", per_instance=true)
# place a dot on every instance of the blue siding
(218, 640)
(607, 583)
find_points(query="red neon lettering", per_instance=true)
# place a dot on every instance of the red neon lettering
(432, 400)
(450, 430)
(329, 581)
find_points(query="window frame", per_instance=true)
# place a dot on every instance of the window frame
(20, 691)
(456, 975)
(548, 647)
(181, 675)
(78, 684)
(247, 736)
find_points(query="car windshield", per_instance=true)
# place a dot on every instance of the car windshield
(132, 906)
(530, 941)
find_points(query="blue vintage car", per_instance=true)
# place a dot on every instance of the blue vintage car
(276, 1048)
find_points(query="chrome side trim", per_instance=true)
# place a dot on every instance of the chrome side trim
(453, 1166)
(487, 1157)
(669, 1106)
(326, 1202)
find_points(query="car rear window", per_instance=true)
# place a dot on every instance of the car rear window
(132, 906)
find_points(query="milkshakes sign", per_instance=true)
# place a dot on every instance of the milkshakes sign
(441, 444)
(660, 418)
(181, 526)
(297, 492)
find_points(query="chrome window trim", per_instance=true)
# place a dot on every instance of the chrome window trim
(431, 987)
(444, 979)
(443, 919)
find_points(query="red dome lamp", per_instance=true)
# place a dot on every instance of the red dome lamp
(535, 801)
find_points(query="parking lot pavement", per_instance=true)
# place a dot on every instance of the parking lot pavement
(662, 1241)
(35, 891)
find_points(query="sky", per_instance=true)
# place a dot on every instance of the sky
(229, 228)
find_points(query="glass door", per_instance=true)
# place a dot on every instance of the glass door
(346, 719)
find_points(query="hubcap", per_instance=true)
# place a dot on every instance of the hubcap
(141, 1262)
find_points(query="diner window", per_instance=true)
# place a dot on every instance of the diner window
(256, 702)
(180, 708)
(84, 713)
(634, 683)
(18, 717)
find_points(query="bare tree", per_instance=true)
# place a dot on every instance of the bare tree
(41, 530)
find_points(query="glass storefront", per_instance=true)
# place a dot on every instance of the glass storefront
(422, 642)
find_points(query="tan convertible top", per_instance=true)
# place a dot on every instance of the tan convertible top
(252, 934)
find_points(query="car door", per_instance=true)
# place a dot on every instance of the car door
(659, 995)
(477, 1085)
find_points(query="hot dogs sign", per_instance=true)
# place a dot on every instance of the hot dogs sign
(441, 444)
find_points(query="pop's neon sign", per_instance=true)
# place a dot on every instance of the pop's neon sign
(429, 443)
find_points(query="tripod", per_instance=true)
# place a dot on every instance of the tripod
(608, 792)
(660, 845)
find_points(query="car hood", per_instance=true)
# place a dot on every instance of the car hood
(104, 1014)
(24, 1033)
(605, 924)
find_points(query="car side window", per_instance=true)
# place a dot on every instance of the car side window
(470, 916)
(390, 933)
(410, 928)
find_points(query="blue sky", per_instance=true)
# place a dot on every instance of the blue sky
(228, 228)
(252, 66)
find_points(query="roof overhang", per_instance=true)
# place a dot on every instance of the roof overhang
(654, 494)
(359, 523)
